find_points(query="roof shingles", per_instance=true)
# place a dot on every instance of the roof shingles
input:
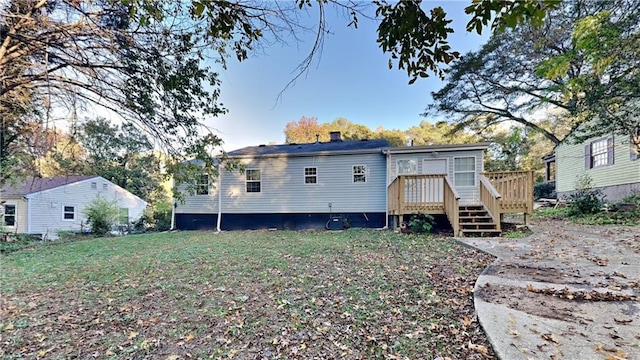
(34, 184)
(321, 147)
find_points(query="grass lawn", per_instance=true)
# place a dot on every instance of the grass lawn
(245, 295)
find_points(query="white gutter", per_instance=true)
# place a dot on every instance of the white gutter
(173, 206)
(27, 200)
(219, 220)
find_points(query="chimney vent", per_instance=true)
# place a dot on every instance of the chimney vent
(317, 138)
(335, 136)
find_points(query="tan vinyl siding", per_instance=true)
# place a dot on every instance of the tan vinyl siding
(570, 165)
(22, 220)
(283, 187)
(467, 193)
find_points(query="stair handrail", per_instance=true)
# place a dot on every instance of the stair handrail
(452, 206)
(490, 187)
(490, 197)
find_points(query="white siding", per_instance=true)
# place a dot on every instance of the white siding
(283, 189)
(198, 204)
(47, 207)
(467, 193)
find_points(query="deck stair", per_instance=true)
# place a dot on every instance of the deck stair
(475, 221)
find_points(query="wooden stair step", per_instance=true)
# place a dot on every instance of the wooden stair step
(480, 233)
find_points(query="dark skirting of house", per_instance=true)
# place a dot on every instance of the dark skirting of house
(280, 221)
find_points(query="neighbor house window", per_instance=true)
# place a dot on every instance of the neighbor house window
(310, 175)
(9, 215)
(105, 187)
(94, 186)
(464, 171)
(68, 213)
(599, 153)
(253, 179)
(359, 174)
(407, 166)
(123, 215)
(203, 185)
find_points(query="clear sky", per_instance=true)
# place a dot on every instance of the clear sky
(349, 79)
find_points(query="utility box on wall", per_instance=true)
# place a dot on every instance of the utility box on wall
(335, 223)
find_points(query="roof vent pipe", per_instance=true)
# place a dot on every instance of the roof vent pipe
(317, 138)
(335, 136)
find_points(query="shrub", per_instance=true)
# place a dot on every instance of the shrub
(156, 218)
(585, 200)
(421, 223)
(545, 190)
(101, 215)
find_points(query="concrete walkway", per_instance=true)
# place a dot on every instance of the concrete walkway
(565, 292)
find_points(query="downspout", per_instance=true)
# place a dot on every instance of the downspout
(26, 199)
(386, 190)
(219, 200)
(174, 204)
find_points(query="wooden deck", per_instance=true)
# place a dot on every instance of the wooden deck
(499, 193)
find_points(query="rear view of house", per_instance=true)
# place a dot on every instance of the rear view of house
(46, 206)
(362, 183)
(293, 186)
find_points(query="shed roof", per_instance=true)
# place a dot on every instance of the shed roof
(35, 184)
(311, 148)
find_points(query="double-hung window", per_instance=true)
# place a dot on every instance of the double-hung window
(359, 174)
(68, 212)
(311, 175)
(464, 172)
(599, 153)
(9, 215)
(407, 166)
(203, 185)
(253, 180)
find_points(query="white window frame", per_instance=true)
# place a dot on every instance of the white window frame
(415, 163)
(248, 181)
(15, 215)
(64, 212)
(313, 176)
(600, 153)
(203, 188)
(359, 174)
(475, 171)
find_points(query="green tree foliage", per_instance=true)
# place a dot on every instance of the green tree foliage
(145, 60)
(579, 68)
(607, 95)
(102, 215)
(427, 133)
(122, 155)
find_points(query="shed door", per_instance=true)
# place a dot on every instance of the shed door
(433, 189)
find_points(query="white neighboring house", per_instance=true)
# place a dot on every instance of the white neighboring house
(45, 206)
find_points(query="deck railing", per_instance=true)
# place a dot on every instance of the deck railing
(516, 189)
(452, 206)
(491, 200)
(500, 192)
(410, 194)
